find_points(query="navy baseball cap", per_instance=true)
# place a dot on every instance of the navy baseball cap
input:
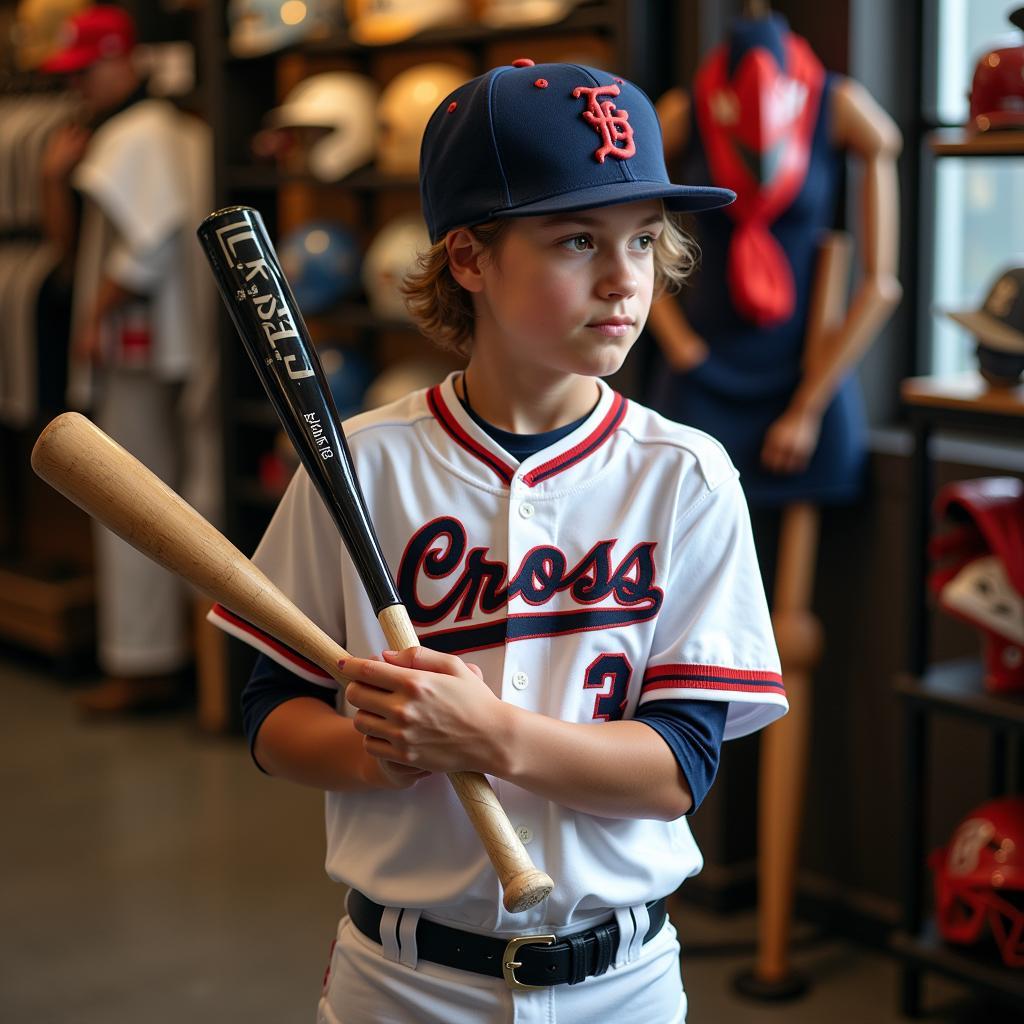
(532, 139)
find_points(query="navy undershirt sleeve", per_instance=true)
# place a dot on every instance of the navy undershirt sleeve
(693, 730)
(269, 685)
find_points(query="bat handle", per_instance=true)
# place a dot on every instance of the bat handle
(523, 884)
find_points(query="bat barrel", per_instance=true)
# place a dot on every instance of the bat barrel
(261, 305)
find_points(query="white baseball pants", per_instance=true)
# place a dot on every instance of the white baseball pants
(372, 983)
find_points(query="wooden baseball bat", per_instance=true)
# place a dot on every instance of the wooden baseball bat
(76, 458)
(89, 468)
(259, 299)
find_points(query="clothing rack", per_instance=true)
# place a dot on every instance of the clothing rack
(46, 587)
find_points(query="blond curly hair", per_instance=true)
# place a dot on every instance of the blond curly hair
(443, 310)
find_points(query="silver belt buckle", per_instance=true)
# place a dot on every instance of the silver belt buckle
(509, 963)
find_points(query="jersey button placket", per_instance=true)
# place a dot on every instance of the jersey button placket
(526, 531)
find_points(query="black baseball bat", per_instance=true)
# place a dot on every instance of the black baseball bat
(267, 317)
(263, 308)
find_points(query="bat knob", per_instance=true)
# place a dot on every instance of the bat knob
(526, 890)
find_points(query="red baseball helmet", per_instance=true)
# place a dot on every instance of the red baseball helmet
(997, 90)
(978, 569)
(979, 879)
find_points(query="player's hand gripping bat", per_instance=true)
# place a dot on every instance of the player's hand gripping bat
(271, 327)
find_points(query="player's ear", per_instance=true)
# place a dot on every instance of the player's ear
(465, 251)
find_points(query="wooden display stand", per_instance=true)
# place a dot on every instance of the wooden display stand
(55, 617)
(966, 404)
(47, 587)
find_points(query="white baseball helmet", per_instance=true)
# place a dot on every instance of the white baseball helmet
(37, 29)
(390, 257)
(524, 13)
(405, 107)
(262, 26)
(343, 102)
(379, 22)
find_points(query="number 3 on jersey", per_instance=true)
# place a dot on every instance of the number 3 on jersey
(609, 674)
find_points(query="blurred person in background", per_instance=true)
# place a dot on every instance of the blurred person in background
(124, 189)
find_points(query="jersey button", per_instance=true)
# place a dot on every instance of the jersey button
(526, 510)
(525, 835)
(520, 680)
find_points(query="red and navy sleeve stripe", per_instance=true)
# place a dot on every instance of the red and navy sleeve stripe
(661, 680)
(284, 655)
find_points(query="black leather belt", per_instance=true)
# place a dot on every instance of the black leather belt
(524, 961)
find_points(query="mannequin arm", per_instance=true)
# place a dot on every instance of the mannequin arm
(673, 111)
(682, 348)
(861, 126)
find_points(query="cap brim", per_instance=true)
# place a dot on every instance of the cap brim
(525, 15)
(677, 198)
(385, 29)
(993, 332)
(295, 117)
(998, 120)
(254, 43)
(69, 61)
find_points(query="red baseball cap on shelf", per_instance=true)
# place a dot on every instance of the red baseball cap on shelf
(92, 35)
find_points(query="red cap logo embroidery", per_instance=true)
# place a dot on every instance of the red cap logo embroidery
(610, 123)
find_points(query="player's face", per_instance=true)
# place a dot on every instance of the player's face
(571, 292)
(104, 84)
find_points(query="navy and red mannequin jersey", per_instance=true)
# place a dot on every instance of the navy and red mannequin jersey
(752, 371)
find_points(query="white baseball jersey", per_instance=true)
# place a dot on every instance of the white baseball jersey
(613, 568)
(146, 180)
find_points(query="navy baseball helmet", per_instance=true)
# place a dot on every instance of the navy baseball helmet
(532, 139)
(321, 261)
(348, 375)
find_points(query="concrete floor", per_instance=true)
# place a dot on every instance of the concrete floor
(152, 875)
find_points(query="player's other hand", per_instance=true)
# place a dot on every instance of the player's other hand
(392, 775)
(64, 149)
(684, 351)
(791, 441)
(424, 709)
(86, 345)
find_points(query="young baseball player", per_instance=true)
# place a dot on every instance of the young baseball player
(579, 570)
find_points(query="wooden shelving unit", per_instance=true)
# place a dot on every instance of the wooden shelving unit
(964, 403)
(957, 687)
(960, 142)
(926, 951)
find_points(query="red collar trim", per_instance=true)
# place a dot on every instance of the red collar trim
(506, 471)
(453, 429)
(587, 446)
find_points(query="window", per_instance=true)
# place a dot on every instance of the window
(977, 202)
(965, 29)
